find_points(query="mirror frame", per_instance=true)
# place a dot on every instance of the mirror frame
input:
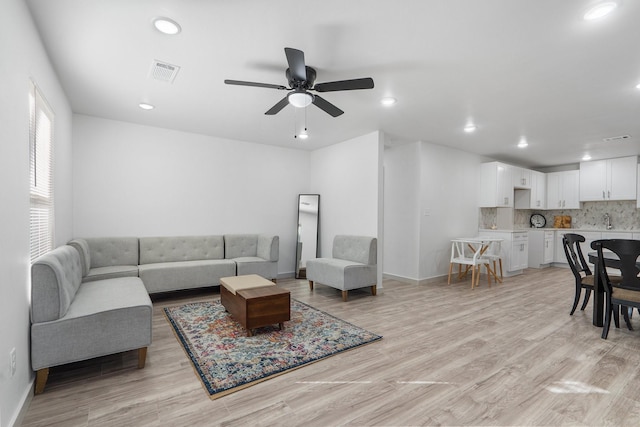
(300, 273)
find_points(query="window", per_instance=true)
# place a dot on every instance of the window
(41, 174)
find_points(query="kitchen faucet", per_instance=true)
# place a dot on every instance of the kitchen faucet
(607, 221)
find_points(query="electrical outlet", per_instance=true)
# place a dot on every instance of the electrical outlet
(12, 358)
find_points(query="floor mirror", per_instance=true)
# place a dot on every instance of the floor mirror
(308, 223)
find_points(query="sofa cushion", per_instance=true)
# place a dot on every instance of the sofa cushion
(240, 245)
(175, 275)
(107, 251)
(268, 247)
(55, 279)
(111, 272)
(180, 248)
(256, 265)
(341, 274)
(360, 249)
(106, 317)
(82, 247)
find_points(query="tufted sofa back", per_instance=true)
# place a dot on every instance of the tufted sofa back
(180, 248)
(55, 279)
(360, 249)
(264, 246)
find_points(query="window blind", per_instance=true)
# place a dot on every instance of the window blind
(41, 213)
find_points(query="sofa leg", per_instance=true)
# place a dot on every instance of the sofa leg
(374, 290)
(142, 357)
(310, 285)
(41, 379)
(344, 295)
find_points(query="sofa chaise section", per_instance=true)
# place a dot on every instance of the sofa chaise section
(73, 320)
(253, 254)
(107, 257)
(353, 265)
(183, 262)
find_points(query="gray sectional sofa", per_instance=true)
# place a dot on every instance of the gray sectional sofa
(73, 320)
(90, 298)
(179, 262)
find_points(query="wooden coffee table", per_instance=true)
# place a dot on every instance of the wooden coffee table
(255, 301)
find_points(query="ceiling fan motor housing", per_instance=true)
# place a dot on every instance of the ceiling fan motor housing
(306, 84)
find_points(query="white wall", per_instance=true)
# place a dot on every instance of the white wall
(402, 211)
(449, 195)
(23, 58)
(348, 176)
(133, 180)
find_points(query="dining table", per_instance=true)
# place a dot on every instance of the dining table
(610, 260)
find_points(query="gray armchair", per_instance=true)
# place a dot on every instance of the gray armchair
(353, 265)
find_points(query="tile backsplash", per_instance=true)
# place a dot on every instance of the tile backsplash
(624, 216)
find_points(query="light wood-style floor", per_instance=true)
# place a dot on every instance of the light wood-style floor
(508, 355)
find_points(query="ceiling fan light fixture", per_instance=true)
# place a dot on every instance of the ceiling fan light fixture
(300, 99)
(167, 26)
(600, 10)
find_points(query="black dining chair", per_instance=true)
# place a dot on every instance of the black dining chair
(624, 292)
(581, 271)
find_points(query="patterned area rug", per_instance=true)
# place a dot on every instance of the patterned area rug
(226, 360)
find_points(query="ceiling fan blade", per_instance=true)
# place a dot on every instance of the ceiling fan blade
(326, 106)
(279, 106)
(297, 67)
(254, 84)
(353, 84)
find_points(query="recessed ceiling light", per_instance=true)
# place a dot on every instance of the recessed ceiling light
(586, 158)
(600, 10)
(523, 143)
(638, 86)
(167, 26)
(388, 101)
(470, 128)
(146, 106)
(303, 135)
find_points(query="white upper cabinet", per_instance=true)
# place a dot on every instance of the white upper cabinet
(538, 190)
(563, 189)
(612, 179)
(521, 177)
(496, 186)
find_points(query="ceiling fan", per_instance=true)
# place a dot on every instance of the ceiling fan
(301, 80)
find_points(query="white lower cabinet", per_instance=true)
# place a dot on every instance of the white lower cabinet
(541, 248)
(514, 249)
(589, 236)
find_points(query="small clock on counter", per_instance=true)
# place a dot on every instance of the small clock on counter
(538, 221)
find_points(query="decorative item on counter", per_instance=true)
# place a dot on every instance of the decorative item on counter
(537, 221)
(562, 221)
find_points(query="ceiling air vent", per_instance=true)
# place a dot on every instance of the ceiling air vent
(163, 71)
(617, 138)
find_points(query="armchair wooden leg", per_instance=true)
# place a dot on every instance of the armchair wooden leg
(344, 295)
(374, 290)
(41, 379)
(310, 285)
(142, 357)
(274, 280)
(450, 269)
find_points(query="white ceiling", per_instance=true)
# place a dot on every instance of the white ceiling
(514, 67)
